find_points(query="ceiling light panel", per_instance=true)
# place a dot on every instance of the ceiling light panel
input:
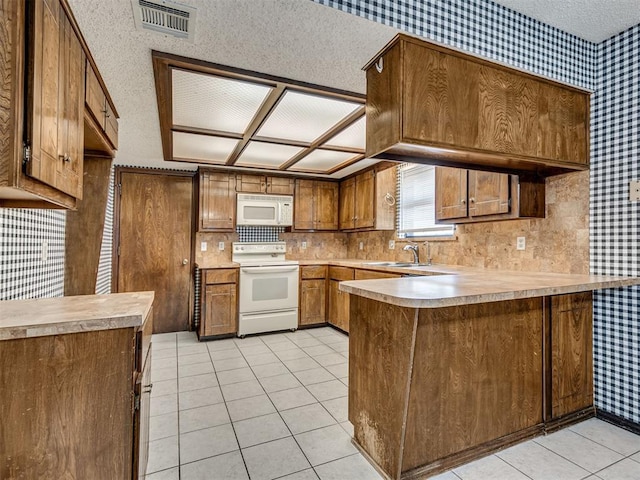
(303, 117)
(266, 155)
(351, 137)
(202, 147)
(322, 160)
(215, 103)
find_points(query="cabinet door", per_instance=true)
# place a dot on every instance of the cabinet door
(338, 306)
(142, 411)
(219, 309)
(488, 193)
(325, 206)
(56, 100)
(217, 206)
(111, 125)
(571, 353)
(251, 183)
(303, 205)
(280, 185)
(312, 301)
(347, 204)
(365, 200)
(451, 193)
(94, 96)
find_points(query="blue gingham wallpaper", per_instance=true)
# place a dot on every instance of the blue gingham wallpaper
(615, 223)
(31, 253)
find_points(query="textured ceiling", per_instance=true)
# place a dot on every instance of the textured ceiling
(593, 20)
(295, 39)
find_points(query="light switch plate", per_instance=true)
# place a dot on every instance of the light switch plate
(521, 243)
(303, 245)
(392, 244)
(361, 246)
(203, 246)
(221, 246)
(634, 191)
(45, 250)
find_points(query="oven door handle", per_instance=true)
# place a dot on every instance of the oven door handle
(260, 270)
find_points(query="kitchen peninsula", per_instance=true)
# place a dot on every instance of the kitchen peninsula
(74, 386)
(448, 368)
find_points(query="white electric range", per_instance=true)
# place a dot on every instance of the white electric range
(268, 287)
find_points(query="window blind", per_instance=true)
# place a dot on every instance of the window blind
(416, 203)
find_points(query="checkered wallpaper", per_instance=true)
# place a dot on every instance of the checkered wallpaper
(31, 253)
(259, 234)
(103, 281)
(615, 223)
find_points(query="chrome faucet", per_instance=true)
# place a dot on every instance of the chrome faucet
(414, 249)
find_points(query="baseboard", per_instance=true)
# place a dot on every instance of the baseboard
(618, 421)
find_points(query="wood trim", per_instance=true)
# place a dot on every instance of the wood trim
(569, 419)
(272, 100)
(162, 78)
(205, 131)
(618, 421)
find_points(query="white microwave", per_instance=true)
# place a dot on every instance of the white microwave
(265, 210)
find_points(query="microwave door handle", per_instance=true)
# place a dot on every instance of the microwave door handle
(260, 270)
(279, 213)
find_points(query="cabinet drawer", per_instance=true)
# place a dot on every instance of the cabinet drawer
(370, 274)
(341, 273)
(220, 275)
(313, 271)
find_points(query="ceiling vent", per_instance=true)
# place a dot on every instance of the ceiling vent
(165, 17)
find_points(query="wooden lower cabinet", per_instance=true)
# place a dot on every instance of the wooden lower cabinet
(313, 295)
(338, 301)
(76, 405)
(219, 314)
(571, 353)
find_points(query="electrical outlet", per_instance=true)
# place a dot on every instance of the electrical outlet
(392, 244)
(361, 246)
(303, 245)
(634, 191)
(520, 243)
(221, 246)
(203, 246)
(45, 251)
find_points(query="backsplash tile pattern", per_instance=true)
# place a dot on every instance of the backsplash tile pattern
(615, 223)
(103, 281)
(28, 269)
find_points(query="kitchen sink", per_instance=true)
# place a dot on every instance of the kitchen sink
(395, 264)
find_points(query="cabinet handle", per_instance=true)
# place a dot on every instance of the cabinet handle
(463, 201)
(65, 157)
(147, 388)
(380, 65)
(472, 200)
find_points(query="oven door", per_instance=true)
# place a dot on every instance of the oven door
(268, 288)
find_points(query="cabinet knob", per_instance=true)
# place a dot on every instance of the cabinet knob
(463, 201)
(185, 261)
(65, 157)
(472, 200)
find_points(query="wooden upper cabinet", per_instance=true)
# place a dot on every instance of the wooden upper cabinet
(55, 89)
(450, 108)
(264, 184)
(217, 201)
(315, 205)
(43, 61)
(367, 201)
(104, 134)
(465, 196)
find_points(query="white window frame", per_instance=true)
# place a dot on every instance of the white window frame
(420, 192)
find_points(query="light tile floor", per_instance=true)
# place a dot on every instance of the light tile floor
(275, 407)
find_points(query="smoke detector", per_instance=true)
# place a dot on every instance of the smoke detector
(168, 18)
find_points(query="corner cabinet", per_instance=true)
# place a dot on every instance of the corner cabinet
(43, 62)
(219, 302)
(313, 295)
(367, 201)
(431, 104)
(466, 196)
(314, 205)
(216, 201)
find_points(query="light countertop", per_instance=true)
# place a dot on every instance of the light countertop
(455, 286)
(59, 315)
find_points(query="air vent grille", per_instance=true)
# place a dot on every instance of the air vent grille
(165, 17)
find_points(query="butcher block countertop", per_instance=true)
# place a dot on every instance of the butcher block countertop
(83, 313)
(449, 286)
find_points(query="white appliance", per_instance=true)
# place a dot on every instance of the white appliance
(261, 209)
(268, 287)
